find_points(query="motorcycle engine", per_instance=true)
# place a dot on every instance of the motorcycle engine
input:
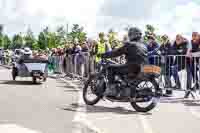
(121, 87)
(100, 86)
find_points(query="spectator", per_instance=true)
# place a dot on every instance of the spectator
(167, 63)
(92, 46)
(53, 52)
(153, 48)
(102, 46)
(85, 47)
(79, 60)
(68, 50)
(166, 60)
(193, 69)
(180, 48)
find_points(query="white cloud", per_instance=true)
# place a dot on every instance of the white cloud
(17, 14)
(171, 17)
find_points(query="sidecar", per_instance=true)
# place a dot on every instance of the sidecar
(35, 68)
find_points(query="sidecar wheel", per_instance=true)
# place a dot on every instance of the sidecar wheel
(14, 74)
(34, 80)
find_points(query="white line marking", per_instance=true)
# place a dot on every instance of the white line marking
(146, 126)
(81, 117)
(13, 128)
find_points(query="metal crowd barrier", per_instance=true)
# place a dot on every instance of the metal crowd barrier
(178, 71)
(76, 65)
(5, 60)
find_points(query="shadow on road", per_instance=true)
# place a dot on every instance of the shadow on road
(100, 109)
(172, 100)
(193, 104)
(9, 82)
(71, 90)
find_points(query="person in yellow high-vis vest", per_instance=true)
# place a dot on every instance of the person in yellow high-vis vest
(101, 47)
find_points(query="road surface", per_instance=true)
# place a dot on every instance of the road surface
(57, 107)
(35, 108)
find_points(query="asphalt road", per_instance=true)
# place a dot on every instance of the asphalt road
(57, 107)
(28, 108)
(172, 115)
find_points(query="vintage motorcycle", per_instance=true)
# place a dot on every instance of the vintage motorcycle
(142, 90)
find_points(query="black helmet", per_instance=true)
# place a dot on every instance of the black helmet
(134, 34)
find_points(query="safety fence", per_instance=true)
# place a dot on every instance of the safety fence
(178, 71)
(5, 60)
(76, 65)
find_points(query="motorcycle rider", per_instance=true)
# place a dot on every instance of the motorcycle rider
(135, 52)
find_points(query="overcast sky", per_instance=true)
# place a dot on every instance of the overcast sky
(171, 17)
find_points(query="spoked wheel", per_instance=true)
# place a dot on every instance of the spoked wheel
(89, 91)
(147, 95)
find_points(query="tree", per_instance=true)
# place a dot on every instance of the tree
(17, 41)
(1, 35)
(77, 33)
(29, 38)
(7, 42)
(60, 35)
(42, 41)
(52, 42)
(150, 31)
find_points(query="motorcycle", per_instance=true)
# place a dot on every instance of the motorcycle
(35, 68)
(143, 89)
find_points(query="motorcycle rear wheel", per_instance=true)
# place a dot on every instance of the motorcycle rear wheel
(154, 101)
(86, 88)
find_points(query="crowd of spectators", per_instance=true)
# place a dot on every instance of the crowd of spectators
(172, 56)
(177, 56)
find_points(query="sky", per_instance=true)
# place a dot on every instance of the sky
(170, 17)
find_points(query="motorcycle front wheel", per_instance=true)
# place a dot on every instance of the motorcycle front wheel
(148, 91)
(89, 89)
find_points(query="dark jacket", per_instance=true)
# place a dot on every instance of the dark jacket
(135, 53)
(180, 49)
(152, 51)
(195, 48)
(166, 49)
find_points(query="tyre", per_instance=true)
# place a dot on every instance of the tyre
(34, 80)
(153, 97)
(90, 86)
(14, 73)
